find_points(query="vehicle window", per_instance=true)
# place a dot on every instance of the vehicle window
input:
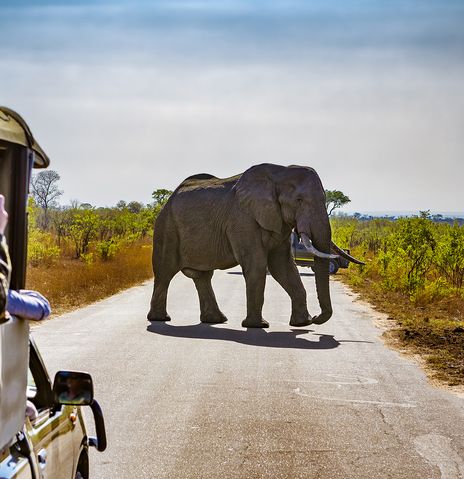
(31, 386)
(39, 382)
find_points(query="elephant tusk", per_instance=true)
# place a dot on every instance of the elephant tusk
(345, 255)
(309, 246)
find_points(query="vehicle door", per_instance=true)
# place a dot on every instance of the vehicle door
(53, 432)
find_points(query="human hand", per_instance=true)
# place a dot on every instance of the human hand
(3, 215)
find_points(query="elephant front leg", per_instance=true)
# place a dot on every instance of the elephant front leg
(284, 271)
(255, 278)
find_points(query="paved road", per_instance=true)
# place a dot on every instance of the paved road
(187, 400)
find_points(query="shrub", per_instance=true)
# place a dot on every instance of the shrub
(42, 249)
(107, 249)
(449, 254)
(411, 255)
(410, 246)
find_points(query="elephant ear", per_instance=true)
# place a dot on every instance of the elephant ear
(255, 190)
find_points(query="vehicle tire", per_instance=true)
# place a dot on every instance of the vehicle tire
(83, 467)
(333, 267)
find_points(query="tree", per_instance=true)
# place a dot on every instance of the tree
(86, 206)
(413, 245)
(160, 196)
(134, 207)
(335, 199)
(449, 254)
(83, 229)
(45, 191)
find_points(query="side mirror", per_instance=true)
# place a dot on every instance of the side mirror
(76, 389)
(73, 388)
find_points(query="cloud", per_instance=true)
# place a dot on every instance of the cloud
(128, 99)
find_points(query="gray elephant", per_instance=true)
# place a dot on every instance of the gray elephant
(210, 223)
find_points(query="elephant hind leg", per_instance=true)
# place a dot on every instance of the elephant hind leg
(159, 297)
(165, 264)
(209, 309)
(255, 280)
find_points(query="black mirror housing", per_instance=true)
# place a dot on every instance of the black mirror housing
(73, 388)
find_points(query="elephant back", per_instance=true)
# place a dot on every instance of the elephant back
(204, 181)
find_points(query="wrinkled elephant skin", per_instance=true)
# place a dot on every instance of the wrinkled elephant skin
(210, 223)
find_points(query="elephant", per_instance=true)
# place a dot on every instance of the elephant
(210, 223)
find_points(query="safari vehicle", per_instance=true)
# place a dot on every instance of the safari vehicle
(303, 257)
(51, 441)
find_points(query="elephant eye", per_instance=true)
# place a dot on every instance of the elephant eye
(299, 201)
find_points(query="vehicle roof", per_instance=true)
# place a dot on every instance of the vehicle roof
(14, 129)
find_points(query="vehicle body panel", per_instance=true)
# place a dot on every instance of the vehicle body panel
(58, 431)
(13, 465)
(14, 357)
(56, 438)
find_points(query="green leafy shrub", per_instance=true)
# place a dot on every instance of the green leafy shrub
(82, 230)
(42, 249)
(87, 258)
(412, 255)
(107, 249)
(449, 254)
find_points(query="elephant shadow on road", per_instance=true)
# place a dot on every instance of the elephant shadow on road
(251, 337)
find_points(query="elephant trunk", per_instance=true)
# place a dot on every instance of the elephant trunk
(318, 241)
(321, 270)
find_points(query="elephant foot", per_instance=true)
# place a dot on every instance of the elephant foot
(321, 318)
(152, 316)
(216, 318)
(255, 323)
(301, 320)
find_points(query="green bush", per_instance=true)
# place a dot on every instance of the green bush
(107, 249)
(449, 254)
(82, 231)
(412, 255)
(41, 248)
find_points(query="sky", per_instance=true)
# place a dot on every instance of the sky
(130, 96)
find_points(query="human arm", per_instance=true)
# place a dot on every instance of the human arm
(28, 305)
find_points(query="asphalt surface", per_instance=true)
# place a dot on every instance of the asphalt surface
(187, 400)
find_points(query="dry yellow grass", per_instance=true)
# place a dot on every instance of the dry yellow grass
(70, 284)
(434, 329)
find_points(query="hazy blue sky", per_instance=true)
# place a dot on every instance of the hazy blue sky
(130, 96)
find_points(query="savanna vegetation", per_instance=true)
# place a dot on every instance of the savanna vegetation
(80, 253)
(414, 266)
(415, 273)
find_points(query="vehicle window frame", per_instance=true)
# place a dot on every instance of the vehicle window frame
(44, 396)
